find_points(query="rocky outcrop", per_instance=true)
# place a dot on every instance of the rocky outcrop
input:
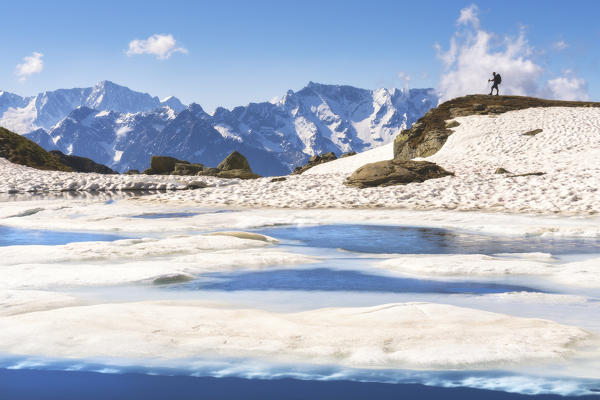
(315, 160)
(234, 161)
(238, 173)
(163, 165)
(234, 165)
(188, 169)
(20, 150)
(82, 164)
(431, 131)
(395, 172)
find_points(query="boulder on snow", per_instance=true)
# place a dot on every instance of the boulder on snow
(234, 165)
(234, 161)
(315, 160)
(395, 172)
(237, 173)
(187, 169)
(163, 165)
(533, 132)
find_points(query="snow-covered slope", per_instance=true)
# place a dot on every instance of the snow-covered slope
(348, 165)
(274, 136)
(25, 114)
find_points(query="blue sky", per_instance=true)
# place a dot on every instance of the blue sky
(235, 52)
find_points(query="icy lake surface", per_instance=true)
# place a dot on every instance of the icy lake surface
(15, 236)
(314, 264)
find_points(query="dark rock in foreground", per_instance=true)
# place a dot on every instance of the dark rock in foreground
(395, 172)
(20, 150)
(430, 132)
(82, 164)
(315, 160)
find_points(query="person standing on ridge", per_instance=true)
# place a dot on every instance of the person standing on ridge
(497, 79)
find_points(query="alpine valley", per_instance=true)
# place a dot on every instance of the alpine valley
(122, 129)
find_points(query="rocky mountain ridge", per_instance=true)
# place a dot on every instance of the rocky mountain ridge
(274, 136)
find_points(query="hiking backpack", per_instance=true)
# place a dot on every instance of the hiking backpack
(498, 79)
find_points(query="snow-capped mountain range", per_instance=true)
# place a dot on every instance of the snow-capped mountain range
(25, 114)
(121, 128)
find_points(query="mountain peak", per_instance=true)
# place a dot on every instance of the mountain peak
(106, 83)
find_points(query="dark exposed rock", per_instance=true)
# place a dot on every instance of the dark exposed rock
(395, 172)
(20, 150)
(429, 133)
(349, 154)
(452, 124)
(234, 161)
(187, 169)
(168, 165)
(315, 160)
(502, 171)
(208, 171)
(172, 279)
(533, 132)
(132, 172)
(278, 179)
(237, 173)
(163, 165)
(527, 174)
(82, 164)
(196, 185)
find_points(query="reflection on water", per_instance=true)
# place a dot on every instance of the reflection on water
(414, 240)
(17, 236)
(229, 379)
(324, 279)
(76, 385)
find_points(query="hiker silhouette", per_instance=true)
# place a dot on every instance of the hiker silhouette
(497, 79)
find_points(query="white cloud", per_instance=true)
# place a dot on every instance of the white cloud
(560, 45)
(468, 15)
(475, 53)
(32, 64)
(405, 78)
(565, 88)
(162, 46)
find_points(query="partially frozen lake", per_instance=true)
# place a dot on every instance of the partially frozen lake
(339, 299)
